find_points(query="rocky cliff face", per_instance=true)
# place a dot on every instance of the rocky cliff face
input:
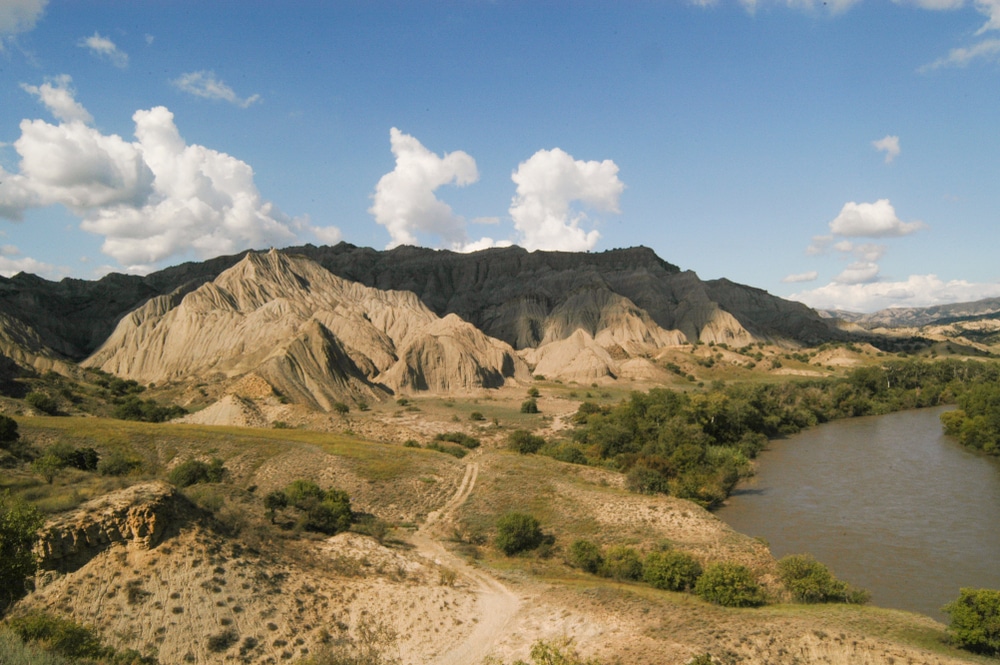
(135, 517)
(314, 337)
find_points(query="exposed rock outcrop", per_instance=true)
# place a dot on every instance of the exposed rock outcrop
(134, 517)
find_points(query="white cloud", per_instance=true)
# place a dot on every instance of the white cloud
(17, 16)
(404, 201)
(801, 277)
(916, 291)
(547, 184)
(872, 220)
(860, 272)
(988, 49)
(832, 6)
(103, 47)
(58, 97)
(11, 263)
(328, 235)
(151, 199)
(991, 8)
(204, 84)
(889, 145)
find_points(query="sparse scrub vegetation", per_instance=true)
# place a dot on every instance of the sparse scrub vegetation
(19, 524)
(524, 442)
(460, 438)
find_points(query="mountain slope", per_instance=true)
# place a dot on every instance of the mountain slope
(314, 337)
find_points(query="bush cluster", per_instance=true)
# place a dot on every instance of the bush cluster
(975, 620)
(664, 569)
(809, 581)
(325, 511)
(462, 439)
(518, 532)
(195, 471)
(729, 585)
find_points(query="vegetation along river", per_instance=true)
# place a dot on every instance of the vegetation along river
(887, 502)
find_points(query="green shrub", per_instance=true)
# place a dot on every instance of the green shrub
(477, 416)
(460, 438)
(326, 511)
(729, 585)
(586, 555)
(300, 491)
(454, 451)
(16, 652)
(622, 563)
(341, 408)
(671, 570)
(565, 453)
(273, 502)
(809, 581)
(195, 471)
(533, 392)
(118, 464)
(19, 524)
(411, 443)
(41, 402)
(975, 620)
(518, 532)
(529, 406)
(133, 408)
(645, 480)
(47, 466)
(524, 442)
(8, 431)
(64, 637)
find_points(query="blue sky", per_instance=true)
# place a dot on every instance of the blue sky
(843, 153)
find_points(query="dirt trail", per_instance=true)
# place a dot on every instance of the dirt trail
(496, 604)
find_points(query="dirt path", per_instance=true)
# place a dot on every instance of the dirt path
(496, 604)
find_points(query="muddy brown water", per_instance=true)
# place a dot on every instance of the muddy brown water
(887, 502)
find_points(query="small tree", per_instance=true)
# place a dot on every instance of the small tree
(273, 502)
(586, 555)
(671, 570)
(729, 585)
(47, 466)
(19, 524)
(975, 620)
(622, 563)
(518, 532)
(524, 442)
(810, 581)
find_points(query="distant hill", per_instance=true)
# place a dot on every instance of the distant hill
(321, 324)
(915, 317)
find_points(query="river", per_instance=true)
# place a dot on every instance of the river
(887, 502)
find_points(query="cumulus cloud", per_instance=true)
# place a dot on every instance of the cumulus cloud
(12, 262)
(404, 201)
(801, 277)
(328, 235)
(58, 96)
(17, 16)
(915, 291)
(859, 272)
(548, 183)
(204, 84)
(104, 48)
(872, 220)
(151, 199)
(889, 145)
